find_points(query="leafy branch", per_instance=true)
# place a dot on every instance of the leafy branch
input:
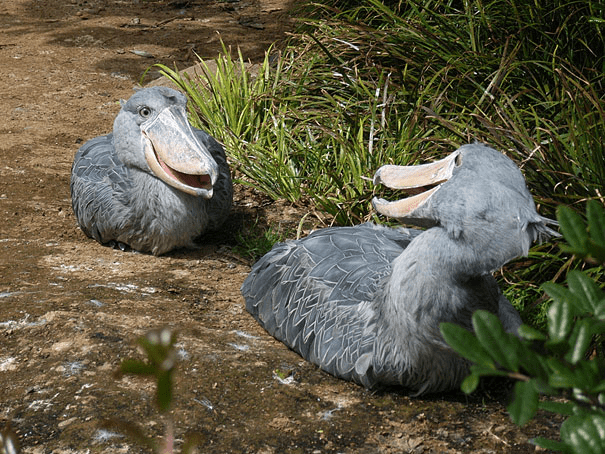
(563, 362)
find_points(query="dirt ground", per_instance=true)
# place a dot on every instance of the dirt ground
(70, 309)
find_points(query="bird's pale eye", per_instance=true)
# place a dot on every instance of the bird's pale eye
(458, 160)
(144, 111)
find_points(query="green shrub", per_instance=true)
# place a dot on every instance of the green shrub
(567, 360)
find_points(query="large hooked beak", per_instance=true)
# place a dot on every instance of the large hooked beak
(176, 155)
(421, 177)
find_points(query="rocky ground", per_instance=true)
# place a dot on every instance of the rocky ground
(71, 310)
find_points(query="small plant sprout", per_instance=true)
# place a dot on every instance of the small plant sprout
(284, 377)
(162, 355)
(161, 360)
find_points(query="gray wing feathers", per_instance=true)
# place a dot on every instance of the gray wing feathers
(316, 294)
(98, 181)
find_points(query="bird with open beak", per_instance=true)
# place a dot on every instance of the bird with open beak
(365, 303)
(155, 183)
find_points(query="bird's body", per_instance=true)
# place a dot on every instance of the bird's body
(365, 303)
(121, 195)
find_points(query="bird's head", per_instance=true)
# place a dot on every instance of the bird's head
(474, 193)
(152, 133)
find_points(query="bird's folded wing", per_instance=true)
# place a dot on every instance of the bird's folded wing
(316, 295)
(99, 189)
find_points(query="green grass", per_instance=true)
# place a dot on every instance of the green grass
(256, 240)
(365, 84)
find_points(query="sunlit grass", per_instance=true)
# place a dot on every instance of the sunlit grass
(369, 83)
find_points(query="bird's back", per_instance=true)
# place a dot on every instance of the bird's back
(317, 294)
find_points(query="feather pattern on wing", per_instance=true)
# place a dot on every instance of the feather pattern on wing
(103, 185)
(316, 295)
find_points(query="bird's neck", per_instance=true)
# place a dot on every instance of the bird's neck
(436, 279)
(440, 278)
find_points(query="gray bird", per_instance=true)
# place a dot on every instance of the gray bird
(364, 303)
(155, 183)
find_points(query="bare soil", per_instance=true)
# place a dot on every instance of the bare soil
(71, 309)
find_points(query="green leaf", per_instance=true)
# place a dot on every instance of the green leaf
(573, 228)
(580, 341)
(561, 376)
(525, 404)
(155, 353)
(488, 371)
(466, 344)
(585, 375)
(470, 383)
(588, 375)
(596, 222)
(585, 433)
(530, 333)
(534, 364)
(600, 310)
(560, 321)
(561, 408)
(596, 251)
(585, 291)
(550, 444)
(557, 292)
(502, 346)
